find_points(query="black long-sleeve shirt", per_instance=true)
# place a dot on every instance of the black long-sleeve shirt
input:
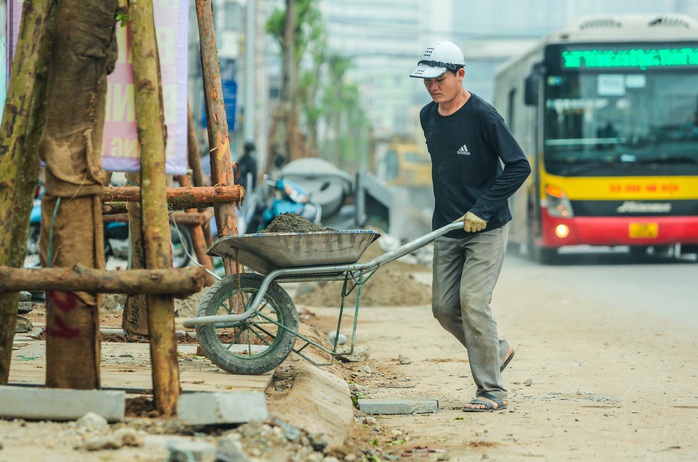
(467, 151)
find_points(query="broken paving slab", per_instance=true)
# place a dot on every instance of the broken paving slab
(398, 406)
(206, 408)
(33, 403)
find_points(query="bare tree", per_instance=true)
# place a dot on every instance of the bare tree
(294, 29)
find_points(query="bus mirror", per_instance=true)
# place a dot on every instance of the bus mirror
(531, 86)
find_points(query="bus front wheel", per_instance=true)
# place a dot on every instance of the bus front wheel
(543, 255)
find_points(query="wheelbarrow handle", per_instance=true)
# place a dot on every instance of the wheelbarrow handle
(371, 265)
(415, 244)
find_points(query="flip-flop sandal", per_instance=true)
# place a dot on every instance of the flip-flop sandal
(490, 404)
(507, 360)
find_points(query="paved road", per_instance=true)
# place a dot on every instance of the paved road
(664, 287)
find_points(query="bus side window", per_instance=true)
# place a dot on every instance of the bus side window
(552, 123)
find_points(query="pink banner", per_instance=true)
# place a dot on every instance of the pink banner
(121, 151)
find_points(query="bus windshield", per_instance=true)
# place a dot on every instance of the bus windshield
(603, 123)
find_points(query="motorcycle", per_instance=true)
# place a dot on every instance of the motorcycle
(117, 243)
(275, 197)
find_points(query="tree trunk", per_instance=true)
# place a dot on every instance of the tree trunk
(135, 316)
(290, 92)
(84, 52)
(156, 226)
(22, 123)
(285, 127)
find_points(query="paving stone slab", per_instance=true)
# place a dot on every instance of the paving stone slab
(222, 408)
(32, 403)
(398, 406)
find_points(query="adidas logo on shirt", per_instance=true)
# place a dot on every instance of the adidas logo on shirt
(463, 151)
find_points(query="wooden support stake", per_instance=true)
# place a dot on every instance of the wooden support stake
(197, 173)
(156, 227)
(22, 125)
(179, 282)
(181, 218)
(181, 198)
(193, 153)
(196, 231)
(219, 141)
(111, 208)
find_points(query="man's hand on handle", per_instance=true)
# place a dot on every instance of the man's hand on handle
(472, 223)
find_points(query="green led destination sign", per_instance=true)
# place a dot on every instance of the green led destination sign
(636, 58)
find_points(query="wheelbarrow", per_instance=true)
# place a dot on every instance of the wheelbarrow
(247, 323)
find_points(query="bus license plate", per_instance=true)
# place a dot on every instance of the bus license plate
(643, 230)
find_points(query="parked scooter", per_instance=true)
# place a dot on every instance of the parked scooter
(116, 239)
(117, 243)
(274, 197)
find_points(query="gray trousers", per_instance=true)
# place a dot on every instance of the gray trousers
(465, 272)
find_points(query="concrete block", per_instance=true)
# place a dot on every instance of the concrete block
(60, 404)
(25, 307)
(222, 408)
(398, 406)
(23, 325)
(195, 451)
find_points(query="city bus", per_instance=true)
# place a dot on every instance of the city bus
(607, 113)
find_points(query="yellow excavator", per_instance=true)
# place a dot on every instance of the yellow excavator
(403, 162)
(397, 194)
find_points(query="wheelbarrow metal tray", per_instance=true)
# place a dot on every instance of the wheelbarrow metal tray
(266, 252)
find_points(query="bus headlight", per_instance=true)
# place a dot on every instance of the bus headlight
(562, 231)
(559, 206)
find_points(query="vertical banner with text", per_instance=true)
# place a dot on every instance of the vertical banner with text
(121, 151)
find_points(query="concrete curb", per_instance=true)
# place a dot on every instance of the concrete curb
(319, 403)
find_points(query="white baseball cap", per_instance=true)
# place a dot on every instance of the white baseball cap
(437, 58)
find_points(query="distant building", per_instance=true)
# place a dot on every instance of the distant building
(385, 38)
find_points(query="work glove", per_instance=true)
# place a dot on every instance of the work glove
(472, 223)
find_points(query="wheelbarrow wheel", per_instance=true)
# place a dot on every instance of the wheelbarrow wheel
(257, 344)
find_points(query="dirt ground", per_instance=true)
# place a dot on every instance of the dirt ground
(391, 286)
(587, 382)
(590, 380)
